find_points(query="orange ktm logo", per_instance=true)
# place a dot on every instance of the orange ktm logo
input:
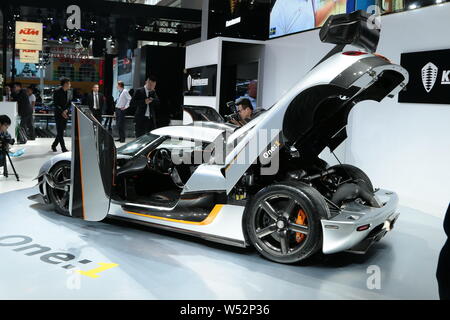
(29, 32)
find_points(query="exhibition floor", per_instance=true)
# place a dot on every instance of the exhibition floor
(128, 261)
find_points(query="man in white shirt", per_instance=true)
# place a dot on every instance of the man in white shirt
(251, 93)
(122, 104)
(289, 16)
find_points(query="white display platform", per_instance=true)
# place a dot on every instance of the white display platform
(10, 109)
(140, 262)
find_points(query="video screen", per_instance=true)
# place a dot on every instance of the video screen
(26, 70)
(291, 16)
(247, 19)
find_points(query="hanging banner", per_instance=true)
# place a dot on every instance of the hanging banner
(29, 56)
(429, 77)
(28, 35)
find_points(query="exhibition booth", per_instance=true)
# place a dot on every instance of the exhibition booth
(335, 186)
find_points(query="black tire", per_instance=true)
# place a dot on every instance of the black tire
(348, 171)
(58, 197)
(286, 199)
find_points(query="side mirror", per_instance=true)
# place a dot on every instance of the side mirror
(353, 29)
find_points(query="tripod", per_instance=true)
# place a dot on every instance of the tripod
(5, 165)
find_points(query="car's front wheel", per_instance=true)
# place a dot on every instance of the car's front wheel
(58, 188)
(283, 221)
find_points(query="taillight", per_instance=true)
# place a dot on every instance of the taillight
(382, 57)
(354, 53)
(364, 227)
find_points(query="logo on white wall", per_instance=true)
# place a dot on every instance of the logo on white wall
(196, 82)
(429, 76)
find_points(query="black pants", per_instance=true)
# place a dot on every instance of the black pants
(443, 269)
(61, 125)
(143, 126)
(120, 122)
(108, 123)
(26, 122)
(98, 115)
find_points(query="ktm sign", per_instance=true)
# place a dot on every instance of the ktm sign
(29, 56)
(28, 35)
(29, 31)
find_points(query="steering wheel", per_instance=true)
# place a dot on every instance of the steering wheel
(162, 161)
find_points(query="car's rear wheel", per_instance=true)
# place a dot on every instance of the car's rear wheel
(59, 188)
(283, 221)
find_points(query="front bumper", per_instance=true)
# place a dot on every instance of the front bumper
(42, 196)
(340, 233)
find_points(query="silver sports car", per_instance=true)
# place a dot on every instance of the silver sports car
(261, 184)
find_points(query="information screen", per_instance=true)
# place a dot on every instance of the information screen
(291, 16)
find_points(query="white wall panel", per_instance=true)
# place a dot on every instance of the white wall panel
(403, 147)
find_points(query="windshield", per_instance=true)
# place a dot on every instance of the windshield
(133, 147)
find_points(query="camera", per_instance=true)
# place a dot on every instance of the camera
(233, 116)
(5, 142)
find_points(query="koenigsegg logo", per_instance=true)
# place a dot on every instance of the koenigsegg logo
(429, 76)
(29, 32)
(189, 82)
(196, 82)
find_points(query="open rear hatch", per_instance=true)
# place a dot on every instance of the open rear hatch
(93, 167)
(317, 117)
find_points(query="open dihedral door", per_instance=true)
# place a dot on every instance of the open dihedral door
(93, 167)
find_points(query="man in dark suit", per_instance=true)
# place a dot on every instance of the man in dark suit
(62, 98)
(146, 101)
(25, 109)
(96, 102)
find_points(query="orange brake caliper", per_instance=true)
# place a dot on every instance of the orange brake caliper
(301, 219)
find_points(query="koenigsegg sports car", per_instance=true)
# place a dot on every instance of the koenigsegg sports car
(262, 184)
